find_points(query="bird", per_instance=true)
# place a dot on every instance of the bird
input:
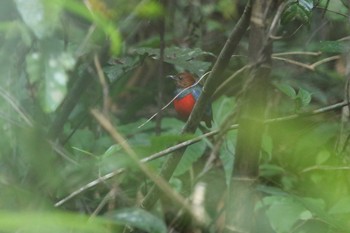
(187, 98)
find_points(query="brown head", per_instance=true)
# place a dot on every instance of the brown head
(183, 80)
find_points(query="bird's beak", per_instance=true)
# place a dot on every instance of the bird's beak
(173, 77)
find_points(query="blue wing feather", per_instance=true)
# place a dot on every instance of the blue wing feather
(196, 91)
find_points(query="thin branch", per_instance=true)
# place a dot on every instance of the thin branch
(297, 53)
(335, 12)
(325, 168)
(104, 84)
(229, 80)
(327, 59)
(311, 67)
(292, 62)
(88, 186)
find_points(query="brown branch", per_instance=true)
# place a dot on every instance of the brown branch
(312, 66)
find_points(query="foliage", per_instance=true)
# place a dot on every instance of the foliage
(60, 59)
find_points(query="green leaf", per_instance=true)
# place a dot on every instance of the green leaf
(286, 89)
(34, 221)
(333, 47)
(322, 157)
(191, 155)
(284, 212)
(341, 207)
(150, 9)
(182, 58)
(227, 155)
(268, 170)
(40, 16)
(304, 96)
(267, 144)
(47, 70)
(222, 108)
(141, 219)
(296, 12)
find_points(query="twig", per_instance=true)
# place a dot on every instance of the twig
(105, 89)
(326, 168)
(172, 100)
(311, 67)
(89, 185)
(297, 53)
(226, 83)
(292, 62)
(13, 103)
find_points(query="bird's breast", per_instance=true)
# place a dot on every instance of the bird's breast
(184, 105)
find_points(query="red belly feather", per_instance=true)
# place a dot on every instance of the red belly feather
(184, 105)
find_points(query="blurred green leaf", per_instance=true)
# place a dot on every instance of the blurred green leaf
(284, 212)
(267, 145)
(141, 219)
(299, 10)
(40, 16)
(322, 157)
(286, 89)
(182, 58)
(191, 155)
(269, 170)
(332, 47)
(304, 96)
(341, 207)
(54, 221)
(150, 9)
(227, 155)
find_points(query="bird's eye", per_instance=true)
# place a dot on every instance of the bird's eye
(180, 77)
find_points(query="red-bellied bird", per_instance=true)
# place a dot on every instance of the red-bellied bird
(185, 102)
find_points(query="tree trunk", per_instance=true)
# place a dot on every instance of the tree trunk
(240, 216)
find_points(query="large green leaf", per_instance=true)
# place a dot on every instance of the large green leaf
(285, 212)
(183, 58)
(191, 155)
(47, 69)
(138, 218)
(40, 16)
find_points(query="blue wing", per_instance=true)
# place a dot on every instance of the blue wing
(196, 91)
